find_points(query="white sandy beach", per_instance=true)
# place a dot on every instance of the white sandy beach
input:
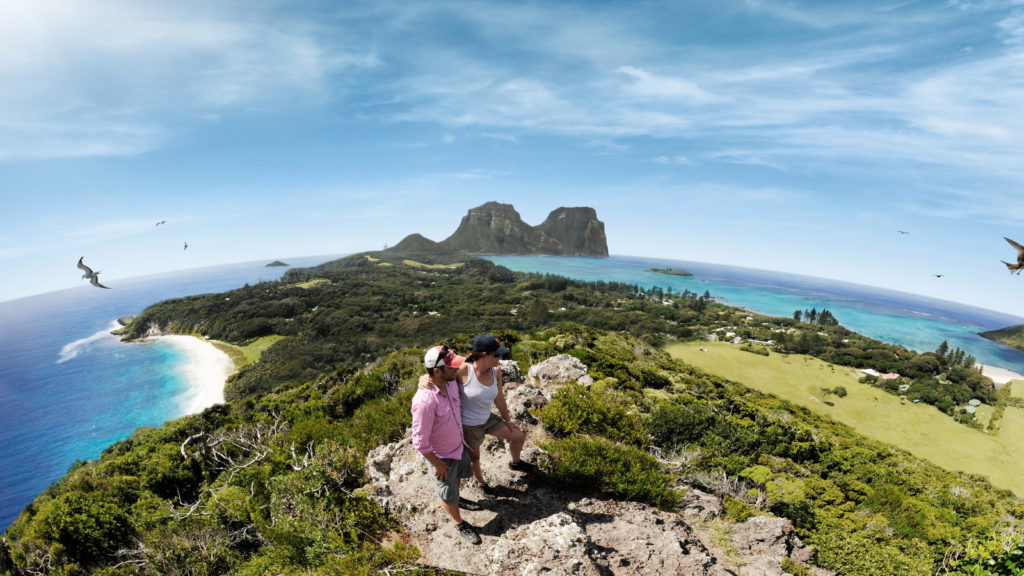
(1000, 375)
(207, 370)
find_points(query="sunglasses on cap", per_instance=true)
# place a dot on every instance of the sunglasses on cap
(443, 355)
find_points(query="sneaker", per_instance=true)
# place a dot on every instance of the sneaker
(522, 466)
(468, 533)
(469, 505)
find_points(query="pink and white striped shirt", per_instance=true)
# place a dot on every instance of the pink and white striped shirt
(436, 422)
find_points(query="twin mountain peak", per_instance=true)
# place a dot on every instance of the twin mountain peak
(496, 228)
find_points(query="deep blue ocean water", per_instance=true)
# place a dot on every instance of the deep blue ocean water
(69, 389)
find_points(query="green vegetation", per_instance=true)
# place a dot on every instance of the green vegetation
(1012, 336)
(416, 264)
(270, 482)
(946, 378)
(243, 356)
(802, 380)
(670, 271)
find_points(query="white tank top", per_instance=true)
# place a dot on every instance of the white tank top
(476, 398)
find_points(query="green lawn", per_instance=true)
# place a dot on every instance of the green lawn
(242, 356)
(918, 428)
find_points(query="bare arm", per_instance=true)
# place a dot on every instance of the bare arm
(499, 400)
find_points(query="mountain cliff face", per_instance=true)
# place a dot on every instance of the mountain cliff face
(496, 228)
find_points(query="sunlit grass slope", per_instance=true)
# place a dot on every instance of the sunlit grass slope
(920, 429)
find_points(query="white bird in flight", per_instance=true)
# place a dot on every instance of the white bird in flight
(94, 277)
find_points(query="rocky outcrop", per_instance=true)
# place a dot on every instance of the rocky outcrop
(560, 369)
(496, 228)
(575, 231)
(531, 528)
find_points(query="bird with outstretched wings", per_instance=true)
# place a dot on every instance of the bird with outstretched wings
(94, 277)
(1015, 268)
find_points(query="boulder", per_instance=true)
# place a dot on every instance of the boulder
(560, 369)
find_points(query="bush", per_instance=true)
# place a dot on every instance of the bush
(574, 409)
(619, 471)
(89, 525)
(675, 425)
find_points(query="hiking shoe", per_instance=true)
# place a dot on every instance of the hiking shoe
(468, 533)
(522, 466)
(469, 505)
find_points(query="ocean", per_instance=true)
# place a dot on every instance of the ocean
(69, 389)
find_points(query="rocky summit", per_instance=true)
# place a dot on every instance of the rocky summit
(530, 528)
(496, 228)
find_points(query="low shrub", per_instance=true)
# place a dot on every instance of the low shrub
(619, 471)
(574, 409)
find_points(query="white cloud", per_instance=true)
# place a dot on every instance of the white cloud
(647, 85)
(675, 160)
(114, 77)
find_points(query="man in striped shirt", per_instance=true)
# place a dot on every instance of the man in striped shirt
(437, 435)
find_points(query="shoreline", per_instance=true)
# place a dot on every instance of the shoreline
(207, 369)
(1000, 376)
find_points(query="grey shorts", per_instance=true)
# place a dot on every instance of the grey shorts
(448, 490)
(474, 435)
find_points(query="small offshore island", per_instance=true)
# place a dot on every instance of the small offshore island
(670, 271)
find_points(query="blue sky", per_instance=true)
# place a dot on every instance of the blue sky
(791, 136)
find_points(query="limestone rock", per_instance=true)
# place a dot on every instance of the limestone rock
(560, 369)
(697, 505)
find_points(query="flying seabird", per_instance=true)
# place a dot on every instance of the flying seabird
(1020, 257)
(186, 246)
(938, 275)
(161, 222)
(94, 277)
(902, 232)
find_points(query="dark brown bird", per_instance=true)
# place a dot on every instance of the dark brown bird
(94, 277)
(1020, 257)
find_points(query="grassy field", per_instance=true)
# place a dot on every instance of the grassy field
(242, 356)
(416, 264)
(918, 428)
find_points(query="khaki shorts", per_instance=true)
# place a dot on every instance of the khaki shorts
(448, 489)
(474, 435)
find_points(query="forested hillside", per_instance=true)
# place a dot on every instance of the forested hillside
(270, 482)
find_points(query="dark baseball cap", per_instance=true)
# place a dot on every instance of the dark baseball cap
(489, 344)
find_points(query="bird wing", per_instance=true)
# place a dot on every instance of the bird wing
(95, 281)
(83, 266)
(1015, 245)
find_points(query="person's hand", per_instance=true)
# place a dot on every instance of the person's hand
(441, 471)
(425, 381)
